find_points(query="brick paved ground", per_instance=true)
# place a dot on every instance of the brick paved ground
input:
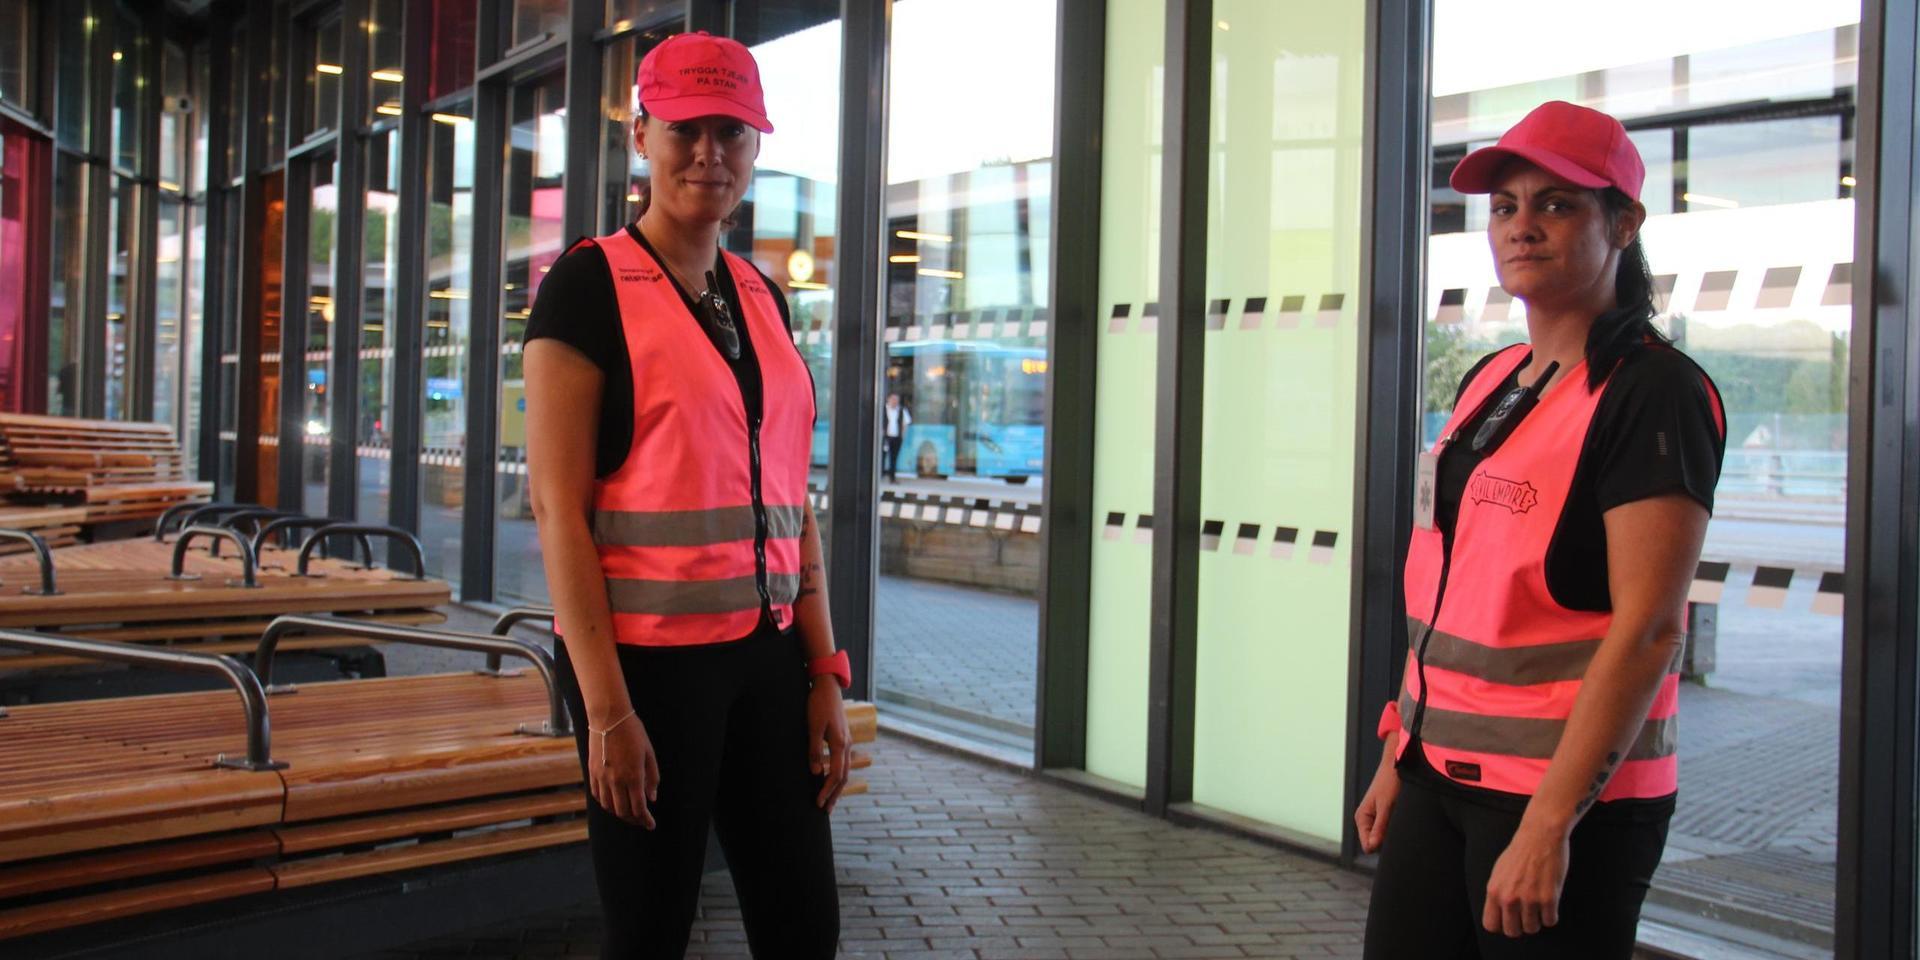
(1753, 841)
(950, 858)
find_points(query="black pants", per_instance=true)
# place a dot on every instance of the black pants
(1432, 883)
(729, 725)
(890, 456)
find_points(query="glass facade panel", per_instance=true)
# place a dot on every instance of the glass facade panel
(453, 47)
(132, 95)
(1285, 236)
(316, 416)
(194, 320)
(1745, 126)
(23, 184)
(534, 188)
(968, 211)
(322, 83)
(19, 61)
(622, 14)
(535, 20)
(123, 271)
(444, 339)
(380, 312)
(176, 118)
(236, 95)
(1119, 601)
(386, 52)
(67, 304)
(623, 188)
(169, 269)
(73, 85)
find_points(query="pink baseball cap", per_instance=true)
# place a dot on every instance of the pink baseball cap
(1575, 143)
(691, 75)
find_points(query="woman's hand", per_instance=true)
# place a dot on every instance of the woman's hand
(626, 775)
(829, 745)
(1523, 895)
(1370, 819)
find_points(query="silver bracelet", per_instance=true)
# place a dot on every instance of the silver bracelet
(609, 729)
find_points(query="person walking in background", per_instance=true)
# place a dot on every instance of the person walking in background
(898, 419)
(1522, 803)
(669, 424)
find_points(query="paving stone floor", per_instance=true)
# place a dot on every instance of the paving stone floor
(953, 858)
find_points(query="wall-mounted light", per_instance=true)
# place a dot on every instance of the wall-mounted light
(942, 274)
(330, 69)
(388, 110)
(800, 265)
(452, 118)
(1849, 181)
(390, 76)
(924, 237)
(904, 258)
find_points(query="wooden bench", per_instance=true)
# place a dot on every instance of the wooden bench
(112, 470)
(117, 808)
(161, 591)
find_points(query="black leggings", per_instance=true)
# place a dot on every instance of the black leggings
(1432, 883)
(729, 726)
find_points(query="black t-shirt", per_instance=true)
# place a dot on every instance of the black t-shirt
(1654, 433)
(578, 307)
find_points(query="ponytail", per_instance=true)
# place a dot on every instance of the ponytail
(1628, 326)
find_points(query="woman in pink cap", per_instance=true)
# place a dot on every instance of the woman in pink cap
(1522, 803)
(669, 421)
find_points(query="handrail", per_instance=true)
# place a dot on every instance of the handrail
(558, 724)
(298, 523)
(364, 530)
(31, 539)
(252, 697)
(248, 565)
(508, 621)
(160, 525)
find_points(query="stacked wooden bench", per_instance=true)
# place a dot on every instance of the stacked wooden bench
(119, 808)
(109, 469)
(174, 589)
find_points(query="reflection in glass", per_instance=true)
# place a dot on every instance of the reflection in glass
(73, 87)
(123, 218)
(452, 52)
(968, 209)
(66, 309)
(23, 173)
(19, 64)
(323, 82)
(444, 339)
(536, 162)
(174, 121)
(190, 335)
(623, 187)
(385, 26)
(379, 312)
(131, 96)
(315, 416)
(538, 19)
(168, 269)
(1749, 161)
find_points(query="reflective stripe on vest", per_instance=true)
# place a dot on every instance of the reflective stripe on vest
(680, 534)
(1503, 661)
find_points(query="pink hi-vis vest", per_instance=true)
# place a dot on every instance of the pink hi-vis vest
(700, 527)
(1503, 661)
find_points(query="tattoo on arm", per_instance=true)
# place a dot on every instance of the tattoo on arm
(1599, 783)
(810, 577)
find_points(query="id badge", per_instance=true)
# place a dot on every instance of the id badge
(1425, 485)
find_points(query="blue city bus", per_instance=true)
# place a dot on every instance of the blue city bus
(979, 407)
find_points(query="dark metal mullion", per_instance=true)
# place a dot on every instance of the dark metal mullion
(1173, 629)
(406, 328)
(349, 264)
(483, 353)
(93, 331)
(580, 214)
(1875, 892)
(1387, 406)
(251, 217)
(1067, 507)
(853, 465)
(520, 63)
(217, 208)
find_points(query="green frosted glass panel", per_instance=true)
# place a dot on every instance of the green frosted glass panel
(1123, 408)
(1285, 236)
